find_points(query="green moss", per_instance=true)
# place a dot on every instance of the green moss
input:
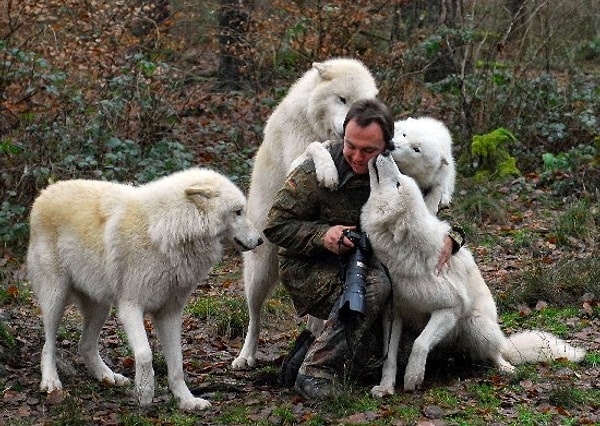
(492, 156)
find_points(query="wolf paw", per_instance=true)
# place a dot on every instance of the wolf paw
(327, 173)
(507, 369)
(120, 380)
(242, 362)
(51, 384)
(413, 382)
(194, 404)
(145, 391)
(114, 379)
(328, 179)
(382, 391)
(144, 397)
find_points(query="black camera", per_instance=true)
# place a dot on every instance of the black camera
(355, 277)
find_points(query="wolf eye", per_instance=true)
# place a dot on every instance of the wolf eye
(238, 212)
(397, 184)
(416, 149)
(342, 100)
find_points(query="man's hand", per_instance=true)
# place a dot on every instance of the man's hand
(335, 241)
(445, 254)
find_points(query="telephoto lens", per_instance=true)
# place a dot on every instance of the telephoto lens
(352, 302)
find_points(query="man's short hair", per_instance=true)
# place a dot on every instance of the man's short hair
(367, 111)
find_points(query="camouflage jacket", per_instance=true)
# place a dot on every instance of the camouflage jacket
(303, 211)
(301, 214)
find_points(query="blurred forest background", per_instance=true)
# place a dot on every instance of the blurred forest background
(130, 90)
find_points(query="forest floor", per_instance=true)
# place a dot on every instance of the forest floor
(455, 392)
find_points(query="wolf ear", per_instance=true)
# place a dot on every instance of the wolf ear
(204, 191)
(322, 69)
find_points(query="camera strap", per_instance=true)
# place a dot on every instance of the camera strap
(390, 316)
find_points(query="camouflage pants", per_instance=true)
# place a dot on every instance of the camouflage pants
(313, 285)
(343, 349)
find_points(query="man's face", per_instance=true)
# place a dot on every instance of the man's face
(361, 144)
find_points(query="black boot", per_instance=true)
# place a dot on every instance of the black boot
(314, 388)
(293, 361)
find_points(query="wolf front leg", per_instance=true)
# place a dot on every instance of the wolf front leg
(391, 341)
(168, 326)
(132, 318)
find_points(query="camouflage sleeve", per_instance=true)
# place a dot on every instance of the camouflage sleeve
(293, 222)
(457, 233)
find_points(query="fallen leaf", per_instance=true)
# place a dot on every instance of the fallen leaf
(55, 397)
(13, 397)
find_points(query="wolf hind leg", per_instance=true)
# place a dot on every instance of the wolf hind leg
(52, 300)
(261, 273)
(440, 324)
(94, 317)
(484, 339)
(52, 286)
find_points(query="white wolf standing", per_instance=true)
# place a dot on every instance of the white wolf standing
(313, 110)
(143, 249)
(423, 151)
(454, 307)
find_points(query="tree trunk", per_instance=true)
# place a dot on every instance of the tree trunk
(233, 26)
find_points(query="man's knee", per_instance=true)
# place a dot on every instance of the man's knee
(378, 290)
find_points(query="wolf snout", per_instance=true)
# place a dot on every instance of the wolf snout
(245, 247)
(375, 170)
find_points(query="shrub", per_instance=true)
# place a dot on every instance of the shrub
(84, 136)
(491, 157)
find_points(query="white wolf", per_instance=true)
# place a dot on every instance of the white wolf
(313, 110)
(143, 249)
(454, 307)
(423, 151)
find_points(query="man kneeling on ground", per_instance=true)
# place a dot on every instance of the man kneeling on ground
(308, 223)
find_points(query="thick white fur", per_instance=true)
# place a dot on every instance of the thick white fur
(313, 109)
(455, 307)
(325, 169)
(423, 151)
(143, 249)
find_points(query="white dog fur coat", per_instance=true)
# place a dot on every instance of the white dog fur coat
(143, 249)
(453, 307)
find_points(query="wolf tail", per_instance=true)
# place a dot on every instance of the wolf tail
(538, 346)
